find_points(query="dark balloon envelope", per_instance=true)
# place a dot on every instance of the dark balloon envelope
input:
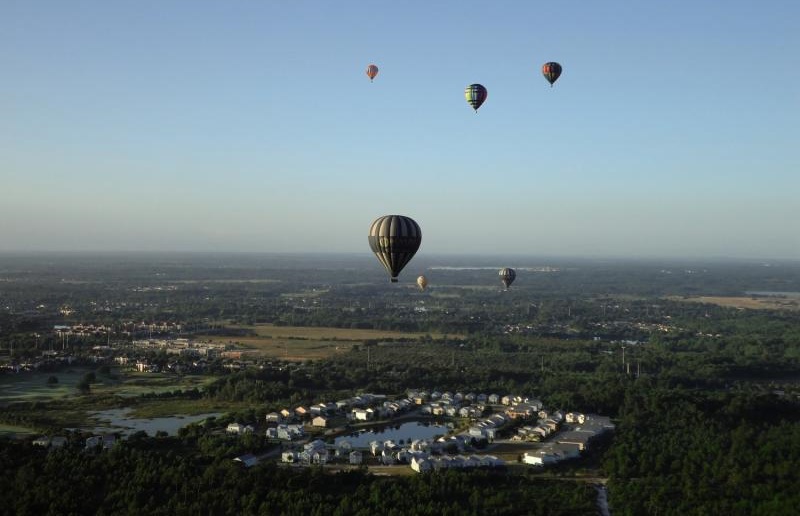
(476, 95)
(372, 71)
(507, 276)
(551, 72)
(394, 239)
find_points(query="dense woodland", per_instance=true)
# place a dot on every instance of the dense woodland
(169, 477)
(706, 403)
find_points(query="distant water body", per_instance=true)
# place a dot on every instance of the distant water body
(767, 293)
(118, 420)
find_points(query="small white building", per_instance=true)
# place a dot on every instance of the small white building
(42, 441)
(249, 460)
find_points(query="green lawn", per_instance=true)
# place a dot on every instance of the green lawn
(32, 386)
(16, 431)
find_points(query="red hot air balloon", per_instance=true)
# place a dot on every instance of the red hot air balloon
(372, 71)
(551, 72)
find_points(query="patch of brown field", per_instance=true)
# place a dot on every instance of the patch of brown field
(295, 350)
(752, 303)
(300, 343)
(323, 333)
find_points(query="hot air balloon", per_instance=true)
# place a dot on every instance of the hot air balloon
(551, 72)
(372, 71)
(422, 282)
(507, 276)
(476, 95)
(394, 239)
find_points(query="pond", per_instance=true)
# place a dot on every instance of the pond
(405, 432)
(118, 420)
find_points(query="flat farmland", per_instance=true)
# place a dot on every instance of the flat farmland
(299, 343)
(752, 303)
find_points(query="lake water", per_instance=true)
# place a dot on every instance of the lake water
(769, 293)
(117, 420)
(406, 432)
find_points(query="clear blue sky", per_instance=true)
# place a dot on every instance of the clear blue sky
(674, 130)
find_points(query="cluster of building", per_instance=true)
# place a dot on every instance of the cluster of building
(422, 455)
(364, 407)
(563, 435)
(570, 443)
(95, 442)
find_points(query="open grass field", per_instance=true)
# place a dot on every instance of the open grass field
(509, 451)
(300, 343)
(752, 303)
(16, 431)
(325, 333)
(32, 386)
(171, 407)
(133, 383)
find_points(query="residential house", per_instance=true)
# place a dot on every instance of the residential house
(521, 410)
(575, 417)
(108, 441)
(320, 421)
(387, 458)
(343, 448)
(421, 464)
(314, 445)
(363, 414)
(477, 432)
(356, 457)
(319, 456)
(289, 457)
(274, 417)
(94, 441)
(494, 399)
(235, 428)
(437, 410)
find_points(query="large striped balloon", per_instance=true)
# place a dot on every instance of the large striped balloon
(507, 276)
(476, 95)
(394, 239)
(372, 71)
(551, 72)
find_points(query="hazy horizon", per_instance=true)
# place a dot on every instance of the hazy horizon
(477, 260)
(252, 127)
